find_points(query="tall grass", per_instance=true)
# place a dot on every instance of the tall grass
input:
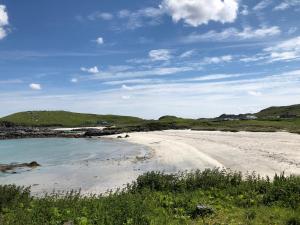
(158, 198)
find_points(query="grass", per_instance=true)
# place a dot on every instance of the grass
(67, 119)
(157, 198)
(289, 125)
(128, 124)
(278, 111)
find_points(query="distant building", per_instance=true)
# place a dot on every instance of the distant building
(251, 117)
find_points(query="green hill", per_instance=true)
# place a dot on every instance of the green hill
(68, 119)
(280, 112)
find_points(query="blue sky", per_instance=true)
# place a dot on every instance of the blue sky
(190, 58)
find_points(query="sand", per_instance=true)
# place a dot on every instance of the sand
(78, 128)
(264, 153)
(169, 151)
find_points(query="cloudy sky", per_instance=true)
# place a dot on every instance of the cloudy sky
(190, 58)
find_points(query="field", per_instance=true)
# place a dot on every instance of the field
(156, 198)
(67, 119)
(267, 122)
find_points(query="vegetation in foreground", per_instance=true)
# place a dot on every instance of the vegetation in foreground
(157, 198)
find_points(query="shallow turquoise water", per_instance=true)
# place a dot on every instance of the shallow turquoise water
(58, 151)
(91, 165)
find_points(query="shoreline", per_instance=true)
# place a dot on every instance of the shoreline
(98, 132)
(174, 151)
(263, 153)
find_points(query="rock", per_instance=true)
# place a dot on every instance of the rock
(11, 167)
(96, 132)
(33, 164)
(8, 131)
(202, 211)
(127, 136)
(119, 137)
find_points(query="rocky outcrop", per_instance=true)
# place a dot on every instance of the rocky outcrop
(4, 168)
(29, 132)
(153, 126)
(105, 132)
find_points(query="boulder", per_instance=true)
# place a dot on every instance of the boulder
(4, 168)
(202, 211)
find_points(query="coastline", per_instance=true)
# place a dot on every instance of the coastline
(263, 153)
(173, 151)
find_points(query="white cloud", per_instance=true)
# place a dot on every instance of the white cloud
(285, 51)
(3, 21)
(136, 19)
(126, 97)
(133, 81)
(249, 33)
(262, 5)
(36, 87)
(125, 87)
(187, 54)
(214, 77)
(14, 81)
(254, 58)
(100, 40)
(255, 93)
(292, 30)
(100, 15)
(286, 4)
(198, 12)
(217, 60)
(160, 55)
(182, 99)
(74, 80)
(245, 11)
(108, 76)
(92, 70)
(233, 33)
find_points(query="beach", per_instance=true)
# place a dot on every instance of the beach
(95, 165)
(259, 152)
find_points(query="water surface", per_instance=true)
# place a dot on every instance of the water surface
(92, 165)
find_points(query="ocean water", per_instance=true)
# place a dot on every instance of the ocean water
(91, 165)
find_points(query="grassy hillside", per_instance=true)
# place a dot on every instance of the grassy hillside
(279, 111)
(267, 121)
(157, 199)
(67, 119)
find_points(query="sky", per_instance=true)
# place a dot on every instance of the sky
(188, 58)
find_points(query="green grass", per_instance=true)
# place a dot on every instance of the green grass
(291, 125)
(127, 124)
(278, 111)
(67, 119)
(157, 198)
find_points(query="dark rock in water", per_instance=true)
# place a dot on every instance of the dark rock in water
(96, 132)
(4, 168)
(33, 164)
(127, 136)
(8, 131)
(119, 137)
(202, 211)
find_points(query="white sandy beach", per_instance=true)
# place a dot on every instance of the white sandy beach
(169, 151)
(264, 153)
